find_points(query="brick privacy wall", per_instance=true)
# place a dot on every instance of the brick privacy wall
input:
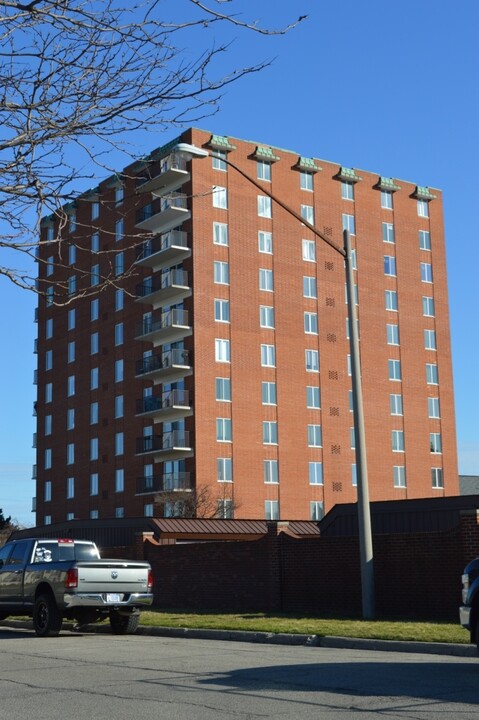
(416, 574)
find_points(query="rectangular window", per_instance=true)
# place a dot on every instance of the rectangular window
(307, 213)
(315, 470)
(119, 295)
(220, 197)
(94, 379)
(221, 273)
(50, 265)
(93, 413)
(48, 360)
(118, 406)
(71, 319)
(428, 308)
(48, 392)
(119, 443)
(119, 194)
(93, 448)
(94, 343)
(433, 407)
(265, 242)
(95, 275)
(391, 299)
(223, 430)
(266, 316)
(72, 254)
(119, 365)
(311, 323)
(399, 476)
(349, 223)
(70, 453)
(435, 442)
(397, 437)
(263, 170)
(312, 360)
(49, 329)
(354, 475)
(315, 436)
(223, 389)
(392, 334)
(94, 309)
(309, 250)
(119, 230)
(268, 356)
(423, 208)
(270, 432)
(437, 479)
(388, 232)
(48, 459)
(390, 265)
(72, 222)
(432, 377)
(394, 367)
(95, 210)
(306, 180)
(222, 310)
(386, 200)
(271, 510)
(426, 272)
(429, 340)
(119, 334)
(310, 287)
(270, 471)
(395, 404)
(119, 263)
(70, 418)
(264, 206)
(95, 242)
(218, 160)
(347, 190)
(48, 424)
(220, 233)
(316, 510)
(119, 482)
(268, 393)
(266, 280)
(313, 399)
(49, 296)
(94, 484)
(47, 492)
(72, 285)
(222, 350)
(70, 488)
(224, 469)
(424, 240)
(70, 386)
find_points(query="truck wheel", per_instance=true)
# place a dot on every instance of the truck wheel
(124, 624)
(47, 619)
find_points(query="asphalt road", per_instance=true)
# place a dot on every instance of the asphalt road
(96, 676)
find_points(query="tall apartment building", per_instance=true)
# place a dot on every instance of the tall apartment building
(212, 373)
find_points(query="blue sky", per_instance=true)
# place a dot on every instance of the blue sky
(386, 87)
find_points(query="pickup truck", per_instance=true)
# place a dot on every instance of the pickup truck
(50, 580)
(469, 610)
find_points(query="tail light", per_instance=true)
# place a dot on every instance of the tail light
(150, 579)
(71, 580)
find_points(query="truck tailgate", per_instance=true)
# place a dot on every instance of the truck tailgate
(112, 576)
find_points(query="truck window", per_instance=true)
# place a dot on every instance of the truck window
(19, 551)
(86, 553)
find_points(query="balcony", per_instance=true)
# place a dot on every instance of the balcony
(171, 482)
(159, 252)
(165, 367)
(169, 288)
(173, 174)
(159, 217)
(171, 327)
(167, 407)
(174, 445)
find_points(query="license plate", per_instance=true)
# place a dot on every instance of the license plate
(113, 597)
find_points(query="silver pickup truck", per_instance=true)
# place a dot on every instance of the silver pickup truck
(50, 580)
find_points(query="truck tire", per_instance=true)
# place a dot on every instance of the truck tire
(47, 619)
(124, 624)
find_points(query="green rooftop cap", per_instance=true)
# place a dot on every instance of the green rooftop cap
(307, 164)
(388, 184)
(348, 175)
(263, 152)
(423, 193)
(221, 142)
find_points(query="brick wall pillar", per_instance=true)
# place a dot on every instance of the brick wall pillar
(274, 567)
(469, 528)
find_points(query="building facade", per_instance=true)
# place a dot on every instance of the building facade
(193, 351)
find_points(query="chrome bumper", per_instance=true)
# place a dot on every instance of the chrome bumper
(99, 600)
(464, 616)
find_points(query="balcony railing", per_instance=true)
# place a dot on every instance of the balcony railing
(175, 400)
(173, 173)
(158, 217)
(166, 286)
(170, 482)
(161, 243)
(176, 439)
(168, 320)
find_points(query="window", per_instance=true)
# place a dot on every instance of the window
(95, 275)
(397, 441)
(71, 319)
(218, 160)
(306, 180)
(94, 343)
(94, 515)
(48, 360)
(352, 438)
(225, 509)
(270, 471)
(70, 386)
(266, 316)
(70, 488)
(93, 448)
(119, 334)
(354, 475)
(93, 413)
(119, 230)
(426, 272)
(220, 233)
(72, 285)
(394, 367)
(264, 206)
(268, 393)
(49, 296)
(391, 299)
(119, 480)
(386, 200)
(349, 223)
(220, 197)
(432, 377)
(95, 242)
(312, 360)
(224, 469)
(223, 389)
(49, 329)
(429, 340)
(316, 510)
(436, 477)
(270, 432)
(48, 459)
(70, 453)
(72, 254)
(50, 266)
(313, 398)
(119, 443)
(310, 287)
(263, 170)
(118, 406)
(424, 240)
(433, 407)
(47, 491)
(347, 190)
(311, 323)
(315, 436)
(266, 280)
(271, 510)
(395, 404)
(423, 208)
(70, 419)
(307, 213)
(94, 309)
(428, 307)
(223, 430)
(94, 379)
(222, 310)
(392, 334)
(119, 512)
(119, 194)
(315, 470)
(221, 273)
(388, 233)
(435, 442)
(265, 242)
(399, 476)
(309, 250)
(119, 263)
(222, 350)
(47, 519)
(390, 265)
(268, 356)
(95, 210)
(119, 370)
(72, 222)
(48, 424)
(48, 392)
(119, 299)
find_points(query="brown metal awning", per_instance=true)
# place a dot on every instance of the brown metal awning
(208, 529)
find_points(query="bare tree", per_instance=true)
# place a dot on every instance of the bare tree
(200, 502)
(78, 78)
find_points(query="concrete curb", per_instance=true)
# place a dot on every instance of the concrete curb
(405, 646)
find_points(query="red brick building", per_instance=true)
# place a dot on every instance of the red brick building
(211, 373)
